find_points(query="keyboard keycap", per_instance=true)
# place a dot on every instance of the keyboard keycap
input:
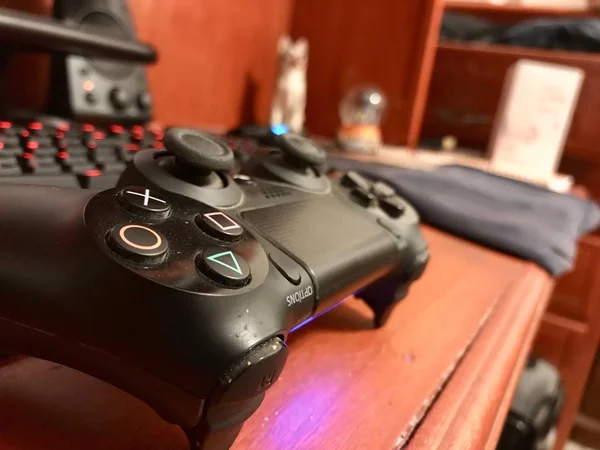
(77, 150)
(113, 142)
(11, 151)
(128, 152)
(8, 160)
(76, 160)
(104, 154)
(104, 181)
(45, 151)
(42, 141)
(48, 169)
(34, 127)
(82, 169)
(45, 160)
(9, 171)
(9, 166)
(9, 140)
(113, 167)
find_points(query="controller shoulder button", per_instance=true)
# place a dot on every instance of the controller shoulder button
(392, 206)
(352, 179)
(244, 179)
(288, 268)
(362, 197)
(382, 190)
(419, 265)
(255, 372)
(391, 227)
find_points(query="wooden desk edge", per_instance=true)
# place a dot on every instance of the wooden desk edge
(471, 410)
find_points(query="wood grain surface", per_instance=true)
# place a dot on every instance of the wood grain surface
(345, 386)
(470, 412)
(217, 59)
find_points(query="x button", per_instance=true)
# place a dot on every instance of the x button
(146, 197)
(143, 201)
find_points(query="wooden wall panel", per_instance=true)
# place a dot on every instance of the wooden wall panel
(217, 59)
(389, 43)
(27, 76)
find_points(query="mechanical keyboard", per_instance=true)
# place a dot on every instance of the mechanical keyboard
(61, 153)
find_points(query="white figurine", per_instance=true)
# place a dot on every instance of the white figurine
(289, 100)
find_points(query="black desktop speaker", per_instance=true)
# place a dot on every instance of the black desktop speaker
(94, 89)
(535, 408)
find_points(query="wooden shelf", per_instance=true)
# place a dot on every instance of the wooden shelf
(517, 10)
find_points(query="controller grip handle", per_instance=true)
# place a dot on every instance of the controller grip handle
(41, 232)
(238, 395)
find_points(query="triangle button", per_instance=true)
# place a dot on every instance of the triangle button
(227, 259)
(225, 266)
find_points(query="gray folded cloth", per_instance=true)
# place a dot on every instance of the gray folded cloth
(514, 217)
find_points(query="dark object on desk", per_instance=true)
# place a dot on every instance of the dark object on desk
(535, 407)
(464, 27)
(96, 60)
(27, 32)
(524, 220)
(188, 304)
(581, 35)
(91, 89)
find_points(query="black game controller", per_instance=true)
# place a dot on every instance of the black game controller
(181, 285)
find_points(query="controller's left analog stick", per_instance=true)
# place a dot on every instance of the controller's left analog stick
(198, 150)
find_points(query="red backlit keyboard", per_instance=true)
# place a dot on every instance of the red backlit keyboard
(59, 153)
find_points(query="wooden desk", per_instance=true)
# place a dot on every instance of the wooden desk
(448, 359)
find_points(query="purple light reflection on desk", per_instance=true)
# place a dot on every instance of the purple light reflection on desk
(306, 410)
(310, 319)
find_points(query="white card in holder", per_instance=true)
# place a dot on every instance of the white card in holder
(534, 118)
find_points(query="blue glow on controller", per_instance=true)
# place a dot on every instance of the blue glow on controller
(279, 129)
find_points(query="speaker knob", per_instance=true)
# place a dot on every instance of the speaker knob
(119, 98)
(144, 101)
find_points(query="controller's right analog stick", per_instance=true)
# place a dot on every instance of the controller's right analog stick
(301, 151)
(198, 150)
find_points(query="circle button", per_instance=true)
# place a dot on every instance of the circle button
(138, 242)
(224, 266)
(220, 225)
(143, 201)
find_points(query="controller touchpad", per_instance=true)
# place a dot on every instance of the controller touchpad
(339, 245)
